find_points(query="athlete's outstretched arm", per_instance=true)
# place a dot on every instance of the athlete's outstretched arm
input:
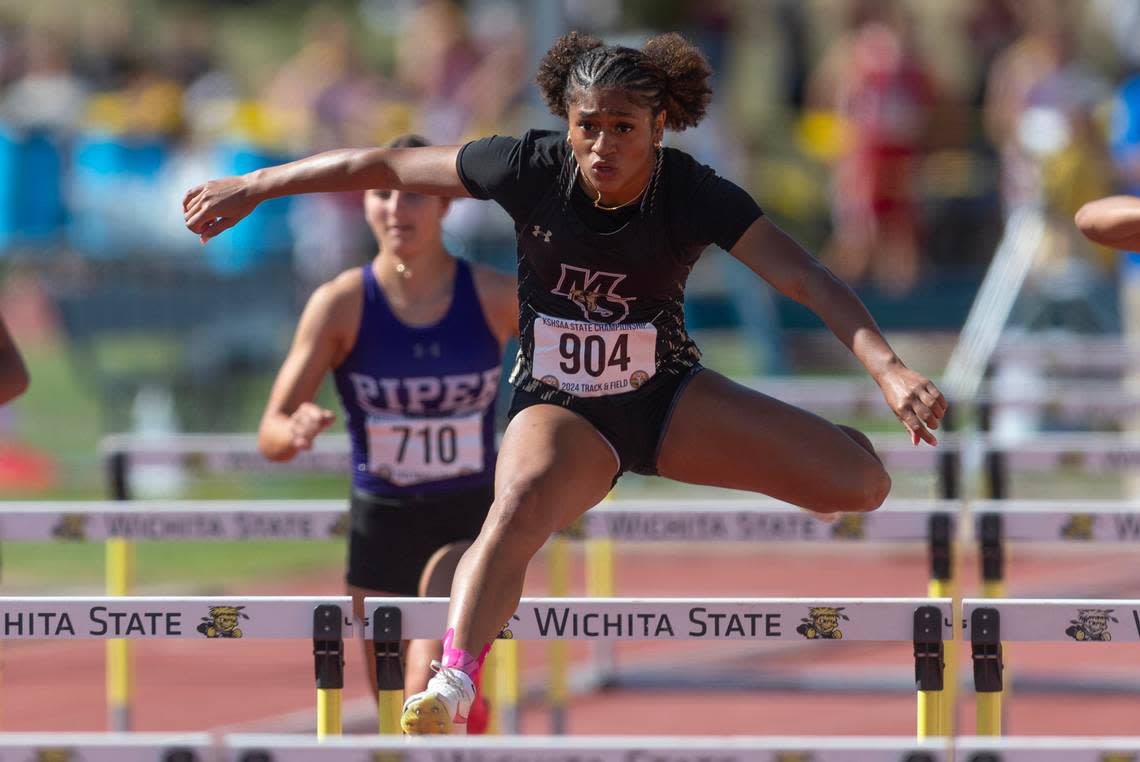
(220, 204)
(292, 420)
(795, 273)
(1113, 221)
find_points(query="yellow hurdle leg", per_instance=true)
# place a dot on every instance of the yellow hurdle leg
(390, 705)
(119, 575)
(946, 588)
(329, 715)
(557, 692)
(989, 708)
(507, 679)
(930, 714)
(600, 584)
(490, 688)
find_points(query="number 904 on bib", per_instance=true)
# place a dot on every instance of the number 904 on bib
(593, 359)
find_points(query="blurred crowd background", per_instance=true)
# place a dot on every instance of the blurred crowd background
(890, 137)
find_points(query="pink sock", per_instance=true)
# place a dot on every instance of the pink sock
(460, 659)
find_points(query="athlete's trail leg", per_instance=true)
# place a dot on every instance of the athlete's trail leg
(725, 435)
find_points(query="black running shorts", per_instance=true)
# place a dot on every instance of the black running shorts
(634, 425)
(390, 539)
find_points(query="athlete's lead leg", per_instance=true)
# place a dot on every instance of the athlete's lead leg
(552, 467)
(726, 435)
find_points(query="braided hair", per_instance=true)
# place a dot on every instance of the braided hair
(668, 74)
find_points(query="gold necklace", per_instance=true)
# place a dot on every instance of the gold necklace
(598, 199)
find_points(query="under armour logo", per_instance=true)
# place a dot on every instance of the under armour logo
(419, 351)
(538, 232)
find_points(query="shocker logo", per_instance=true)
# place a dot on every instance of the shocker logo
(822, 623)
(54, 755)
(793, 756)
(1078, 527)
(595, 293)
(506, 633)
(222, 622)
(1117, 756)
(339, 528)
(849, 527)
(71, 526)
(1091, 624)
(387, 756)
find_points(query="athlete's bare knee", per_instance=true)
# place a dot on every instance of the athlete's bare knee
(873, 486)
(516, 519)
(860, 439)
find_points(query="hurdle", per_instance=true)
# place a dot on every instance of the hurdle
(987, 623)
(209, 453)
(270, 748)
(1047, 749)
(1075, 522)
(997, 523)
(201, 520)
(107, 747)
(756, 520)
(1092, 452)
(325, 621)
(1066, 399)
(1070, 353)
(924, 622)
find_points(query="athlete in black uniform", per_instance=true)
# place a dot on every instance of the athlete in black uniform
(609, 224)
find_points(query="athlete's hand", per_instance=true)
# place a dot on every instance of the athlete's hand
(218, 205)
(307, 422)
(915, 401)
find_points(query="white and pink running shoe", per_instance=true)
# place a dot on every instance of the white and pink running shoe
(443, 707)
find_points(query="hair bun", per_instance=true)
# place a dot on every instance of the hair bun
(687, 74)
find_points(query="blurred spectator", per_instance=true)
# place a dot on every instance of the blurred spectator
(323, 98)
(13, 374)
(991, 27)
(462, 77)
(873, 78)
(47, 94)
(1039, 101)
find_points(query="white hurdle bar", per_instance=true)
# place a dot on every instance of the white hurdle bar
(220, 453)
(749, 520)
(1068, 352)
(324, 621)
(924, 622)
(857, 396)
(269, 748)
(726, 619)
(1047, 749)
(757, 519)
(107, 747)
(1064, 521)
(147, 520)
(150, 617)
(987, 623)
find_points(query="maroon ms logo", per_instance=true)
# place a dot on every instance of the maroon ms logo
(594, 293)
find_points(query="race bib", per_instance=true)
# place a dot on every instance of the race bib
(408, 451)
(593, 359)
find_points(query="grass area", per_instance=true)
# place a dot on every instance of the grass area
(201, 568)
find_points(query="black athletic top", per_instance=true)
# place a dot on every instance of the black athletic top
(595, 286)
